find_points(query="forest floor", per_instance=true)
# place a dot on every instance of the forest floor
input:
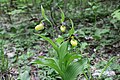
(22, 47)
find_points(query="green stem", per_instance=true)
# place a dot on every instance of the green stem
(85, 75)
(106, 66)
(89, 70)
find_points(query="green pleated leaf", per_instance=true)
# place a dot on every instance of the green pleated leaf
(63, 49)
(74, 69)
(51, 62)
(59, 40)
(72, 58)
(69, 58)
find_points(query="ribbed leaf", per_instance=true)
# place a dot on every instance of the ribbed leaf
(72, 58)
(74, 69)
(51, 62)
(63, 49)
(59, 40)
(69, 58)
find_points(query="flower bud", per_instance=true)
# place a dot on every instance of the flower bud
(39, 27)
(62, 28)
(73, 42)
